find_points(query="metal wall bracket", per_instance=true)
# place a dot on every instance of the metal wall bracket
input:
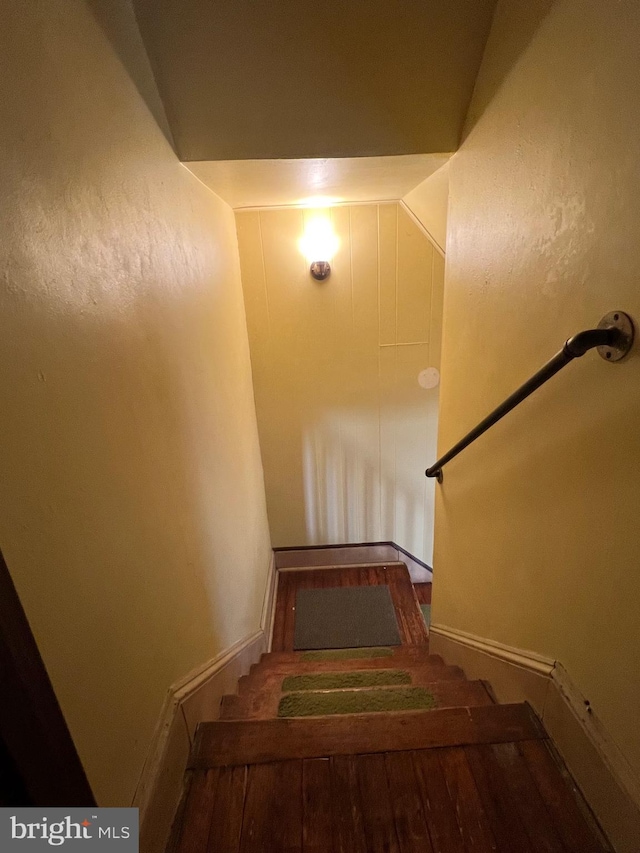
(320, 270)
(623, 340)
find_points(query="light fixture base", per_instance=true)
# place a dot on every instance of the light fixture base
(320, 270)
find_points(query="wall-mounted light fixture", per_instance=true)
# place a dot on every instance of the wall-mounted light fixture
(320, 270)
(319, 244)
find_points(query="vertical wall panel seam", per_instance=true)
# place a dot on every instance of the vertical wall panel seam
(394, 387)
(358, 526)
(397, 249)
(379, 391)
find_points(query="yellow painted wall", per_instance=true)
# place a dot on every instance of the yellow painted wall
(429, 203)
(345, 430)
(536, 523)
(133, 517)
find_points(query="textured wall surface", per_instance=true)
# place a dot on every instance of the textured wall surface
(133, 516)
(536, 523)
(345, 430)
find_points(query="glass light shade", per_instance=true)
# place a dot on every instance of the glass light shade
(319, 241)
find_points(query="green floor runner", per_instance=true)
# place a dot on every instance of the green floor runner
(355, 702)
(337, 680)
(347, 654)
(426, 612)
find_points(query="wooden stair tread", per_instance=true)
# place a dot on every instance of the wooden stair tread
(455, 800)
(470, 776)
(261, 705)
(228, 742)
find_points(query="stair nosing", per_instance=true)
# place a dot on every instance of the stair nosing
(239, 742)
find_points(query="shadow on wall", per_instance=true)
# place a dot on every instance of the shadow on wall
(133, 506)
(358, 491)
(341, 412)
(508, 51)
(116, 476)
(133, 56)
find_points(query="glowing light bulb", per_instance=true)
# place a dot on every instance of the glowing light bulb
(319, 241)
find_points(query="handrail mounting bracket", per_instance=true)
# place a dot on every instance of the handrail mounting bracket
(623, 342)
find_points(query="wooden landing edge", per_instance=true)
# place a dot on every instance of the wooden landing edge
(262, 741)
(343, 556)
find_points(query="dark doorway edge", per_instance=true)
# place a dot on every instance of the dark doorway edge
(45, 766)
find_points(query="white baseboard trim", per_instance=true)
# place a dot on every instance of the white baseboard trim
(192, 699)
(155, 756)
(605, 777)
(599, 736)
(518, 657)
(190, 684)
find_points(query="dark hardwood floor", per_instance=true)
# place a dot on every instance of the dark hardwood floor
(410, 622)
(423, 592)
(482, 796)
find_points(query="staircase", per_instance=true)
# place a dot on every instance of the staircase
(260, 692)
(467, 775)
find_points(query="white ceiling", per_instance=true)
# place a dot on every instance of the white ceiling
(269, 183)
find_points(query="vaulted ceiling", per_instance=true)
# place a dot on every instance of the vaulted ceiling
(253, 79)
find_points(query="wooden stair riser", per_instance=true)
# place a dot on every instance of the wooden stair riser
(261, 705)
(399, 653)
(272, 679)
(257, 741)
(302, 667)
